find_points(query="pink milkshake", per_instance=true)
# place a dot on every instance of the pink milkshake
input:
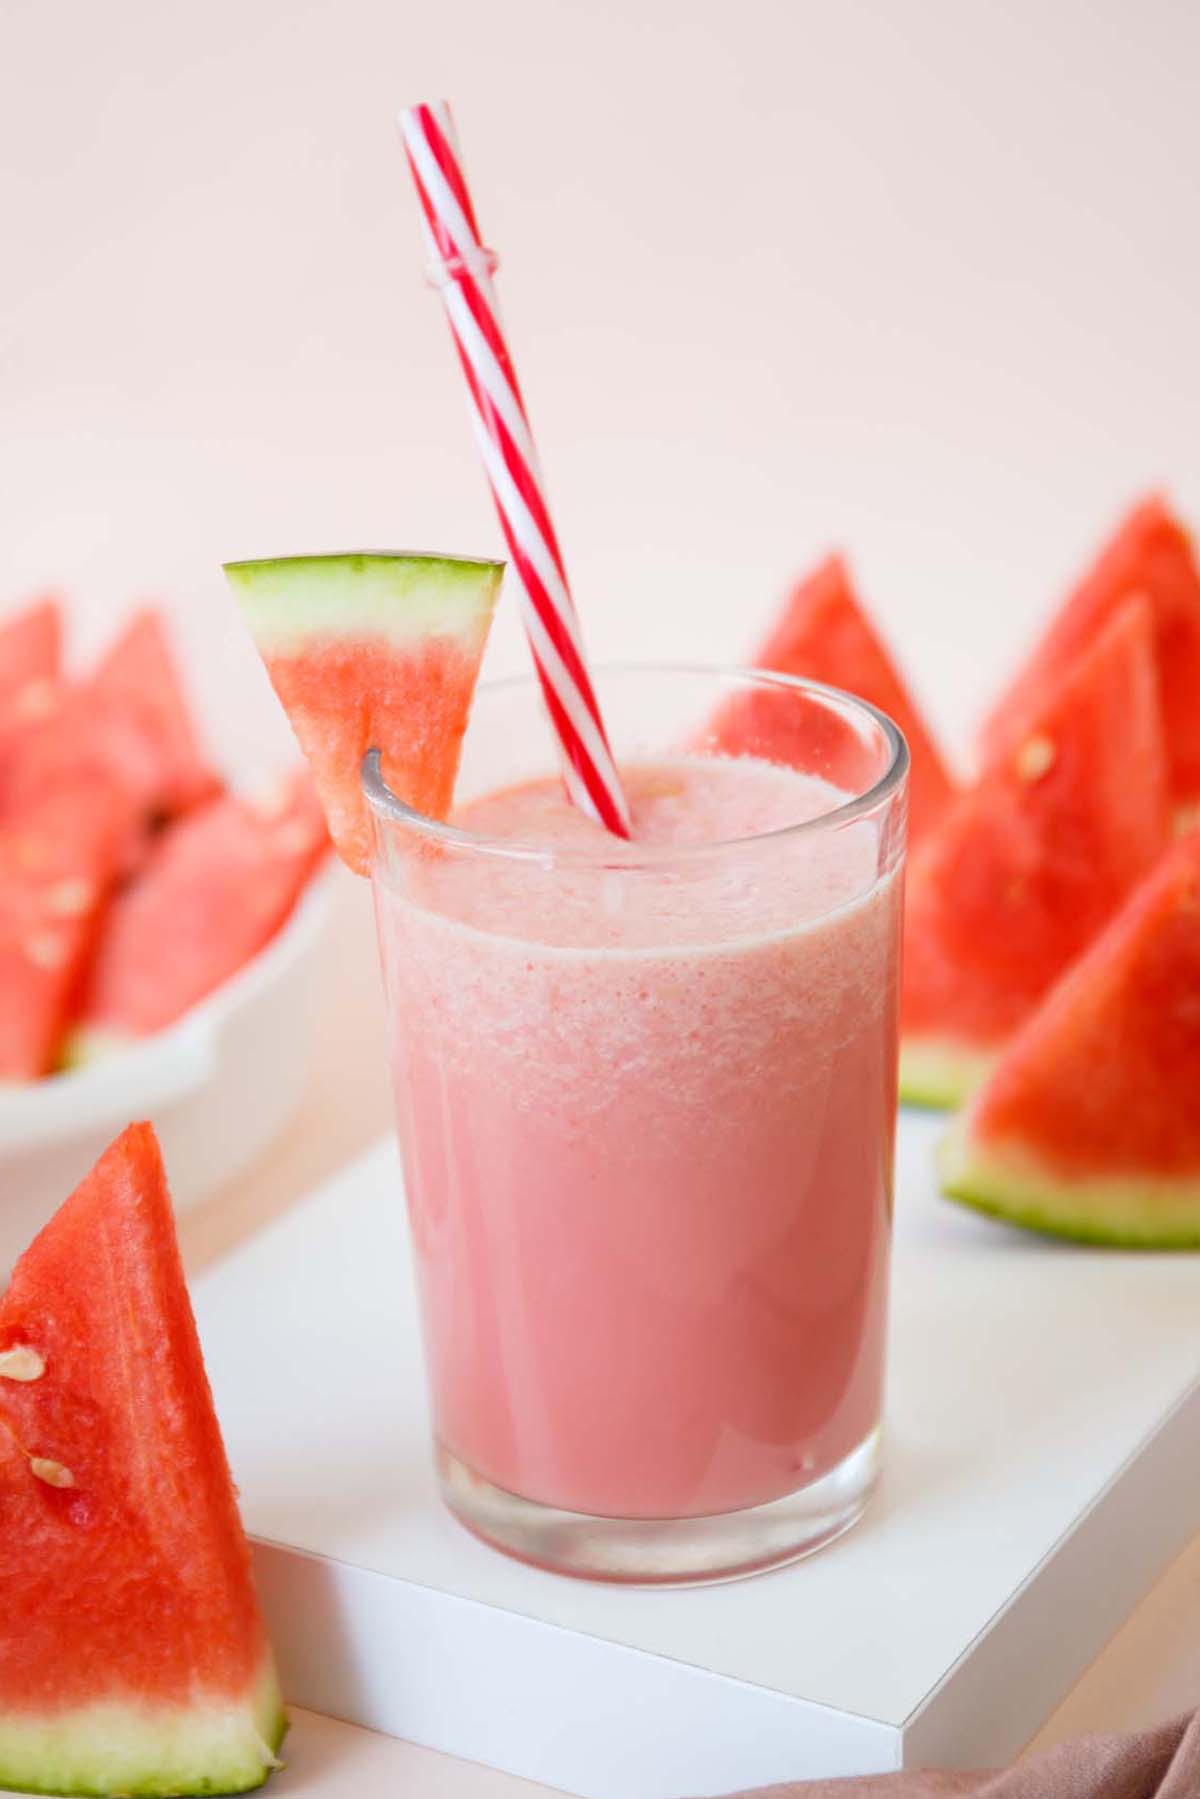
(645, 1099)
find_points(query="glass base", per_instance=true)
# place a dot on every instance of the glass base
(663, 1551)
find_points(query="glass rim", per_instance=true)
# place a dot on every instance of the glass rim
(619, 853)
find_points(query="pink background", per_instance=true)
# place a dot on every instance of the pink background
(921, 277)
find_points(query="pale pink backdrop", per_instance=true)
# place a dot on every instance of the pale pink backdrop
(919, 276)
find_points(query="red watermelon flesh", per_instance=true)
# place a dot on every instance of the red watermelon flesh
(1090, 1123)
(825, 634)
(217, 887)
(136, 686)
(1151, 554)
(372, 651)
(57, 861)
(30, 662)
(135, 1659)
(128, 726)
(31, 679)
(1031, 862)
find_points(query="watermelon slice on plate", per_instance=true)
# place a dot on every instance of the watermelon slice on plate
(126, 726)
(140, 1663)
(1151, 555)
(137, 689)
(217, 887)
(58, 858)
(825, 634)
(1089, 1126)
(372, 651)
(1031, 862)
(31, 681)
(30, 660)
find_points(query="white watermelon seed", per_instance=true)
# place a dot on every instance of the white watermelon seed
(1036, 756)
(71, 899)
(21, 1363)
(46, 950)
(53, 1473)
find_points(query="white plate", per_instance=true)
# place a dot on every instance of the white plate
(217, 1086)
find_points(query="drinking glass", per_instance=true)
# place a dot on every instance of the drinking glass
(645, 1097)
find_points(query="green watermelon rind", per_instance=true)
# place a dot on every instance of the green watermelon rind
(1126, 1211)
(147, 1750)
(397, 596)
(939, 1075)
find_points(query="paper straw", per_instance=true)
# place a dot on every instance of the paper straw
(462, 267)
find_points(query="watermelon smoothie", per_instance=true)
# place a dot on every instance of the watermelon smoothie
(645, 1097)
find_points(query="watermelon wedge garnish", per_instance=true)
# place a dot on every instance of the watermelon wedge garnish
(372, 651)
(217, 886)
(1089, 1126)
(1150, 554)
(1031, 862)
(134, 1658)
(58, 858)
(825, 634)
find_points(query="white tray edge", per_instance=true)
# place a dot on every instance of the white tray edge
(456, 1675)
(1037, 1646)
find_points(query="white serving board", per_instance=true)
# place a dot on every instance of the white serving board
(1042, 1466)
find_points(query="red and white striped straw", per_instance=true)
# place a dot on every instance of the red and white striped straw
(462, 266)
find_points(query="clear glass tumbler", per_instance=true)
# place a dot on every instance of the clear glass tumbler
(646, 1098)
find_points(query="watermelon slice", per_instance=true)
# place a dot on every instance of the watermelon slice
(1151, 555)
(135, 1659)
(217, 887)
(372, 651)
(1031, 862)
(824, 634)
(136, 685)
(57, 861)
(30, 661)
(1090, 1124)
(127, 726)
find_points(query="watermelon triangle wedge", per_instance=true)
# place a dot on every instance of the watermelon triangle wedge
(1150, 554)
(126, 728)
(824, 633)
(30, 654)
(31, 681)
(1031, 862)
(372, 651)
(58, 860)
(217, 886)
(1089, 1126)
(137, 690)
(141, 1663)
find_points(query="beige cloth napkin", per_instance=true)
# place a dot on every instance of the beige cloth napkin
(1162, 1763)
